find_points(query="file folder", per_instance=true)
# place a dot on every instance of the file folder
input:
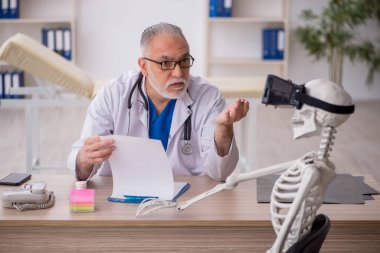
(17, 82)
(7, 84)
(67, 43)
(266, 46)
(280, 44)
(1, 16)
(2, 85)
(273, 44)
(179, 189)
(48, 38)
(59, 41)
(216, 8)
(227, 8)
(13, 11)
(4, 8)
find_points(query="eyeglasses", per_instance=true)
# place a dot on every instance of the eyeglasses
(170, 65)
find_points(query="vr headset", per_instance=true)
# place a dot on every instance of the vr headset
(280, 92)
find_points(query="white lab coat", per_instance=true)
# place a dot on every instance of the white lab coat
(108, 114)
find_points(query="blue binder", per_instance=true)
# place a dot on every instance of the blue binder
(13, 11)
(227, 8)
(17, 82)
(7, 84)
(4, 4)
(280, 44)
(213, 8)
(265, 45)
(216, 8)
(48, 38)
(59, 41)
(273, 44)
(67, 43)
(2, 84)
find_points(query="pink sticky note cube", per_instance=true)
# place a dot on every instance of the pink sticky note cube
(82, 200)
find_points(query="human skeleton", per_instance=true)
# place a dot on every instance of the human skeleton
(303, 182)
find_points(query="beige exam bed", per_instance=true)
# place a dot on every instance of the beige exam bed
(31, 56)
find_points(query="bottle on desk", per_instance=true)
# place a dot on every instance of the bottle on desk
(82, 200)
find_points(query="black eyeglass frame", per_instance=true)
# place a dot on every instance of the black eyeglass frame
(175, 62)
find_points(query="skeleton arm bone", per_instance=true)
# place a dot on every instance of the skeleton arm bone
(233, 180)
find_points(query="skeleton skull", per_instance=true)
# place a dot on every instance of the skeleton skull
(309, 121)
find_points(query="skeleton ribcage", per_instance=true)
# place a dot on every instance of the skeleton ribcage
(283, 194)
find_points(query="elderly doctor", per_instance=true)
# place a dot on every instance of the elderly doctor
(162, 101)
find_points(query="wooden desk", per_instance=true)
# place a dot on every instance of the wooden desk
(231, 221)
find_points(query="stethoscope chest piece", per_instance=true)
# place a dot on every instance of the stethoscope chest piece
(187, 149)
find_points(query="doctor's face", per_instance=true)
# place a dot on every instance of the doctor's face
(170, 84)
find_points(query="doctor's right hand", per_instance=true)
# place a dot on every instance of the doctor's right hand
(94, 151)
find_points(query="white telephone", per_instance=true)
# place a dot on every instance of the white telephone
(32, 196)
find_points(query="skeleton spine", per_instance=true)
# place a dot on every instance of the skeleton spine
(328, 135)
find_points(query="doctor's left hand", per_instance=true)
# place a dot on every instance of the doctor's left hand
(224, 125)
(233, 113)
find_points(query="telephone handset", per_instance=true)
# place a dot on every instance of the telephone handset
(32, 196)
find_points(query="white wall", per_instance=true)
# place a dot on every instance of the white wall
(108, 34)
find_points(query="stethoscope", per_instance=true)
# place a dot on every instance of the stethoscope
(187, 148)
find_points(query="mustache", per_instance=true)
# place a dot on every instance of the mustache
(176, 80)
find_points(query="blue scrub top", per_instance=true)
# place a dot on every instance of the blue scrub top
(159, 125)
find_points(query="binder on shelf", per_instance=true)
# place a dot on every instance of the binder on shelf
(13, 11)
(273, 44)
(220, 8)
(266, 46)
(227, 8)
(280, 44)
(67, 43)
(17, 82)
(2, 85)
(213, 10)
(7, 84)
(4, 9)
(48, 38)
(59, 41)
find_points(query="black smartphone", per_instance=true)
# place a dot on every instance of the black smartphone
(15, 179)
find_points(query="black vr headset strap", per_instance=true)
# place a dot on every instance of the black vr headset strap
(340, 109)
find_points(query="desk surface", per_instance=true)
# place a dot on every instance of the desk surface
(231, 221)
(237, 207)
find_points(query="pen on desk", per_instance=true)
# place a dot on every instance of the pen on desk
(137, 199)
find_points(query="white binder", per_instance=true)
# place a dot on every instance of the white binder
(59, 41)
(67, 43)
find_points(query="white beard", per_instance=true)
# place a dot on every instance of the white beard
(163, 90)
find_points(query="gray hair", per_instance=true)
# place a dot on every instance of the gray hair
(154, 30)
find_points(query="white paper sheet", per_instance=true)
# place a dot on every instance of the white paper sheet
(140, 167)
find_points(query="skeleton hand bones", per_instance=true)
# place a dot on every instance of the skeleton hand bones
(150, 205)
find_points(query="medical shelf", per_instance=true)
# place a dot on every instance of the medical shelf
(244, 61)
(37, 14)
(233, 45)
(247, 20)
(26, 21)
